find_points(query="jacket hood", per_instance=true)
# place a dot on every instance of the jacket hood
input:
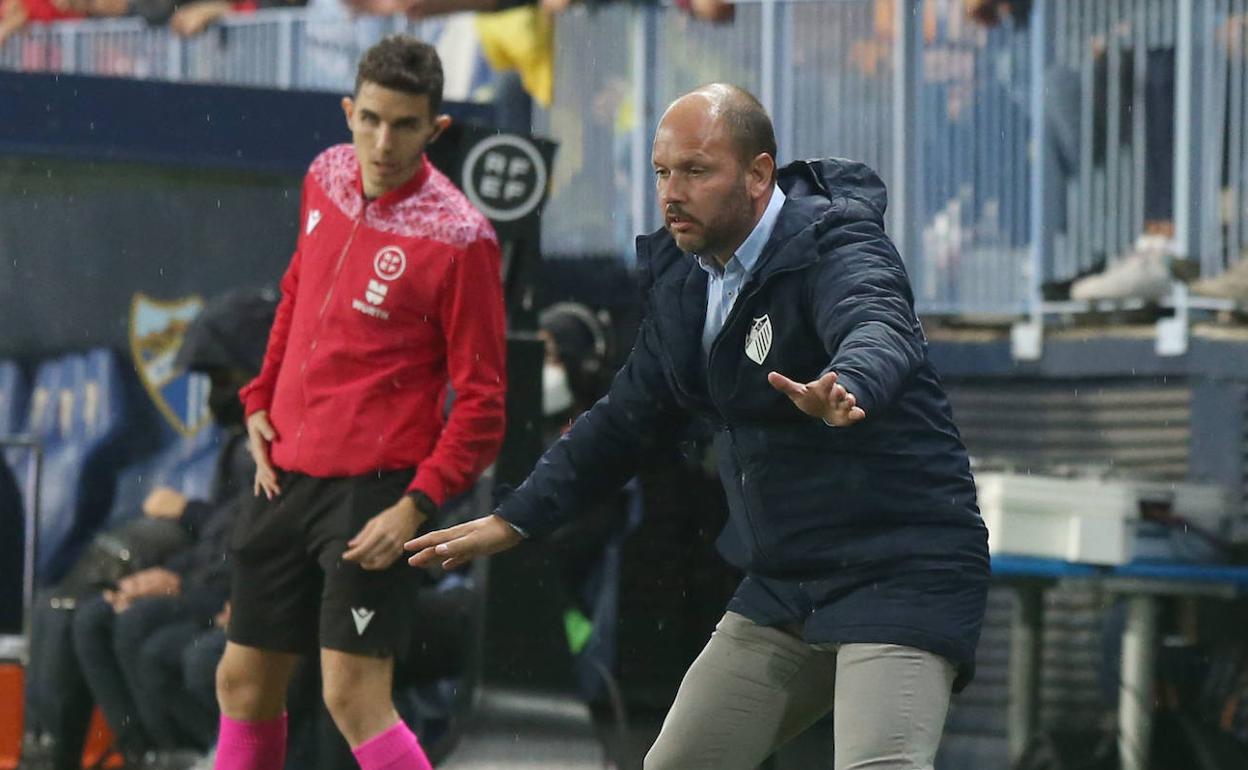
(833, 178)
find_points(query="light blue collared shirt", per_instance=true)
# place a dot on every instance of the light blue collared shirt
(725, 282)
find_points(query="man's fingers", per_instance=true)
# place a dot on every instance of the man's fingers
(360, 536)
(452, 554)
(785, 385)
(462, 543)
(843, 417)
(374, 552)
(266, 484)
(266, 477)
(461, 547)
(380, 562)
(421, 558)
(824, 384)
(438, 536)
(363, 545)
(259, 424)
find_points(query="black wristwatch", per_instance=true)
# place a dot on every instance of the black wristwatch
(424, 504)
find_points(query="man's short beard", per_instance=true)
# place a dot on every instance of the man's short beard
(716, 240)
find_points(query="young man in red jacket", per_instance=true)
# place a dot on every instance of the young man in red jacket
(393, 294)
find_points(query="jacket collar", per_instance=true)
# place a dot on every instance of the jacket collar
(680, 287)
(749, 251)
(658, 253)
(403, 191)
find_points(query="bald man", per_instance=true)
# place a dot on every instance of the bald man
(780, 316)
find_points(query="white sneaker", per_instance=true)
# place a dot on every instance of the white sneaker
(1232, 283)
(1141, 273)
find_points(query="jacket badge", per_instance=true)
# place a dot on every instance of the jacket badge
(758, 341)
(390, 263)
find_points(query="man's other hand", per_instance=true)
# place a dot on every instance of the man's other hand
(462, 543)
(823, 398)
(380, 542)
(164, 503)
(260, 434)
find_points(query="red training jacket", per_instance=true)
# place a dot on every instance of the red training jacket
(385, 304)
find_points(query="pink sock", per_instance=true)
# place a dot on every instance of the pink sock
(392, 749)
(246, 745)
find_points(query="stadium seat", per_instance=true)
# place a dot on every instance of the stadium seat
(187, 464)
(12, 397)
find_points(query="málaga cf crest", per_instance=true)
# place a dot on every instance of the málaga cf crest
(156, 331)
(758, 340)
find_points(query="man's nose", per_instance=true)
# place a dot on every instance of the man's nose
(670, 192)
(383, 137)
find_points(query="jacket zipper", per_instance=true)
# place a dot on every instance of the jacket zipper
(320, 321)
(742, 300)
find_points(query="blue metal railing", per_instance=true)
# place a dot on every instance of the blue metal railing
(1016, 156)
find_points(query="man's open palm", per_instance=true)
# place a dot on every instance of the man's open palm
(822, 398)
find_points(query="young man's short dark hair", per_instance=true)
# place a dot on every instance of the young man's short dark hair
(403, 63)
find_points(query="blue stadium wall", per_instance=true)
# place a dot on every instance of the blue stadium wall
(113, 187)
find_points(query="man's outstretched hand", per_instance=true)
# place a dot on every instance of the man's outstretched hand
(462, 543)
(822, 398)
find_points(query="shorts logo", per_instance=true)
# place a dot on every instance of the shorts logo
(758, 341)
(390, 263)
(362, 618)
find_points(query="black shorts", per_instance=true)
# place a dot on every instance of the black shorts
(290, 590)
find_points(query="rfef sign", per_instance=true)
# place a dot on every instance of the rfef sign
(505, 177)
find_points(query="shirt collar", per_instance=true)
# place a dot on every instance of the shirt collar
(750, 249)
(399, 193)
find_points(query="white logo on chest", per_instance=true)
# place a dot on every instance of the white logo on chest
(390, 263)
(314, 219)
(374, 295)
(758, 340)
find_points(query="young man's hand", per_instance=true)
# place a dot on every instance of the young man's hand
(164, 503)
(260, 434)
(462, 543)
(380, 542)
(822, 398)
(154, 581)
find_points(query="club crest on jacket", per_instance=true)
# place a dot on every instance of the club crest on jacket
(758, 341)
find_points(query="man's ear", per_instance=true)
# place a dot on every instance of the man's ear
(348, 109)
(440, 124)
(762, 173)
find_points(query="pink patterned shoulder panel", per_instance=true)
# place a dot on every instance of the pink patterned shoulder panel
(438, 211)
